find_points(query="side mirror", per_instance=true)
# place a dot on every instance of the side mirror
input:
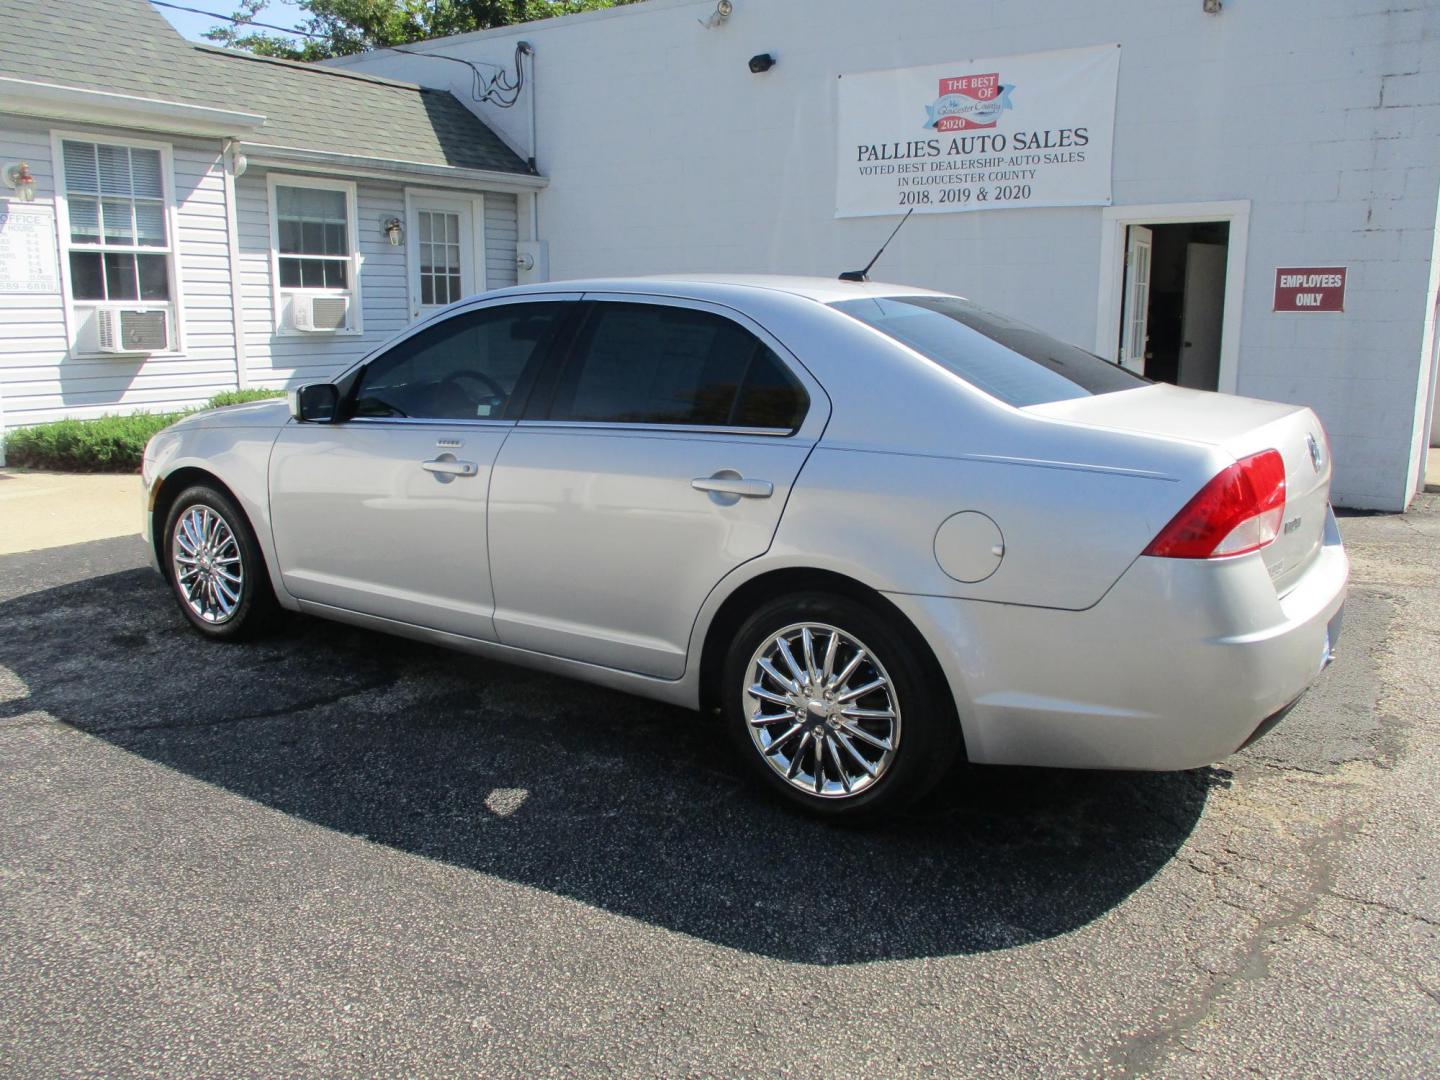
(316, 403)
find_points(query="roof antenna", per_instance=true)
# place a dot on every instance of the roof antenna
(860, 275)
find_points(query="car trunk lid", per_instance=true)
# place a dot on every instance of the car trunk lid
(1239, 427)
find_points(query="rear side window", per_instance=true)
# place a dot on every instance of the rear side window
(1007, 359)
(656, 364)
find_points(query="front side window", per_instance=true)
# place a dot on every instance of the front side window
(1006, 359)
(467, 367)
(656, 364)
(312, 237)
(118, 241)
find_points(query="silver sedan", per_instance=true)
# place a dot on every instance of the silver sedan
(873, 527)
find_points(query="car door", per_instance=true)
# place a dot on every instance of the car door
(656, 459)
(383, 512)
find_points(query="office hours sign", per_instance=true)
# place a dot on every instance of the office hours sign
(27, 250)
(1030, 130)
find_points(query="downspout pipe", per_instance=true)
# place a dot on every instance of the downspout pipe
(528, 51)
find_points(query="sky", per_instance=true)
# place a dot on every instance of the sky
(279, 12)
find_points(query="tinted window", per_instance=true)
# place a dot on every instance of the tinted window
(1007, 359)
(654, 364)
(464, 368)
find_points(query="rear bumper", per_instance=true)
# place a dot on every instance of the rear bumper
(1176, 667)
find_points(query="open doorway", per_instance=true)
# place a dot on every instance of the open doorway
(1173, 303)
(1172, 273)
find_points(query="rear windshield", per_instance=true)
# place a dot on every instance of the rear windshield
(1007, 359)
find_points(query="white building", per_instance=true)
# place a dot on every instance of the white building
(1283, 134)
(197, 219)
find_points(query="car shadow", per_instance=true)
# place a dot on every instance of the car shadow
(633, 807)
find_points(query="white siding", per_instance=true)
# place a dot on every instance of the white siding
(501, 224)
(39, 380)
(287, 359)
(281, 360)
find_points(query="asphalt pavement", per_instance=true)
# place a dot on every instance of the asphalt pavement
(334, 852)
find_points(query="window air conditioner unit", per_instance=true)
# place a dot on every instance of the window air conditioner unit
(320, 314)
(133, 330)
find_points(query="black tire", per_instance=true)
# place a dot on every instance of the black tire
(923, 748)
(256, 609)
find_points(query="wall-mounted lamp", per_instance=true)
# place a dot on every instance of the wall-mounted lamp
(1212, 7)
(19, 178)
(723, 10)
(761, 63)
(394, 231)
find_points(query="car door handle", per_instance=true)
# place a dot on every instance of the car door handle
(734, 485)
(450, 467)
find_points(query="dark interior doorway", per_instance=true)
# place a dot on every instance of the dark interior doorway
(1174, 301)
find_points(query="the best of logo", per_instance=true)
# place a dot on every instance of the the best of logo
(969, 101)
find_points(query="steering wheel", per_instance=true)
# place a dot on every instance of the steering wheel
(453, 386)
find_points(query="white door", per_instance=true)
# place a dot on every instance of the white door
(444, 253)
(1135, 332)
(1202, 315)
(660, 460)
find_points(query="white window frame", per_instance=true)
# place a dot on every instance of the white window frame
(278, 292)
(175, 305)
(416, 195)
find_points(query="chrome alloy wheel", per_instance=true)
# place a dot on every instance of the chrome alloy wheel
(821, 710)
(205, 557)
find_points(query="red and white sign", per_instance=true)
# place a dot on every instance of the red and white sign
(1310, 288)
(977, 88)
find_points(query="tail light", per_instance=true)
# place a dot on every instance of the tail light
(1240, 510)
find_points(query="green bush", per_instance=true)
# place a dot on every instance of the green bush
(239, 397)
(106, 444)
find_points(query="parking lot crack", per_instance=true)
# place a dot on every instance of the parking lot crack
(1148, 1050)
(1382, 906)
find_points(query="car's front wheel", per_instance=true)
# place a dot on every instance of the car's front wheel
(834, 708)
(215, 568)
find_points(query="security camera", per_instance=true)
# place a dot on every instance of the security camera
(761, 63)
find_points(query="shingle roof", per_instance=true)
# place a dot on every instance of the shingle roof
(126, 47)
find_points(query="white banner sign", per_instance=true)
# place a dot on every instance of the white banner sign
(27, 250)
(1032, 130)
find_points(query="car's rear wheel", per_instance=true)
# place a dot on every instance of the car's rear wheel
(833, 706)
(215, 568)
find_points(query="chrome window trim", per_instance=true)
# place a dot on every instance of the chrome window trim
(424, 421)
(675, 429)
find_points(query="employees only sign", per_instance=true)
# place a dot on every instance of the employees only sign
(1310, 288)
(1031, 130)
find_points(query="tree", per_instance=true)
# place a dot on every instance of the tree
(341, 27)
